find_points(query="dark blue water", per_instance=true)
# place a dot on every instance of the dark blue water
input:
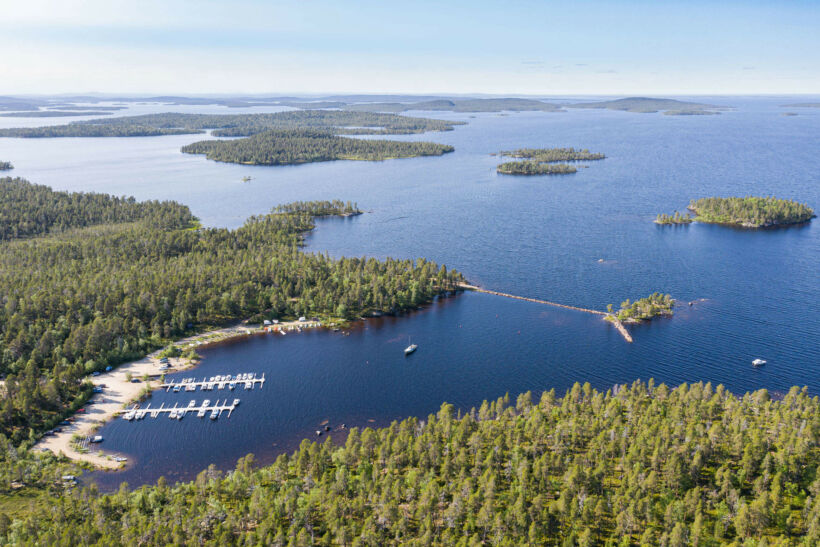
(756, 293)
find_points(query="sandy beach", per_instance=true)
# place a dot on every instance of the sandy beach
(118, 393)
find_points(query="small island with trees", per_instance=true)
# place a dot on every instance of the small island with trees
(6, 166)
(544, 161)
(751, 212)
(675, 218)
(644, 309)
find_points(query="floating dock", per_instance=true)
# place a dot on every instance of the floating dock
(176, 412)
(239, 381)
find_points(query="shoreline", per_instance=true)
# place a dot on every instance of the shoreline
(119, 393)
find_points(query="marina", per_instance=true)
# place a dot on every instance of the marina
(177, 412)
(247, 380)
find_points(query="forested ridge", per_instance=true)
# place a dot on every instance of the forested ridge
(237, 125)
(635, 465)
(6, 166)
(75, 301)
(293, 146)
(751, 211)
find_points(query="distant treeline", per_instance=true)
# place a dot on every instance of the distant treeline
(55, 114)
(651, 105)
(238, 125)
(452, 105)
(100, 294)
(284, 147)
(75, 129)
(6, 166)
(753, 212)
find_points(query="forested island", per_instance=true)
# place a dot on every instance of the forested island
(93, 280)
(548, 155)
(644, 309)
(675, 218)
(529, 167)
(542, 161)
(55, 113)
(635, 465)
(294, 146)
(237, 125)
(6, 166)
(648, 105)
(751, 212)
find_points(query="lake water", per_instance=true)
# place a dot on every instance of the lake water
(756, 293)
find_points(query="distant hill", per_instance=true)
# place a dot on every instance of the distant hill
(459, 105)
(649, 105)
(802, 105)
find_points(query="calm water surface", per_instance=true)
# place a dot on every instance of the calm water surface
(756, 293)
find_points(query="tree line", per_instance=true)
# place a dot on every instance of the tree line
(77, 300)
(293, 146)
(634, 465)
(6, 166)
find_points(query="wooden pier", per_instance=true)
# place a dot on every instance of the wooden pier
(618, 325)
(239, 381)
(176, 412)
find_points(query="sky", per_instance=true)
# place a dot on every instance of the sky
(508, 47)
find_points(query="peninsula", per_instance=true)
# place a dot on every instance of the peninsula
(92, 281)
(6, 166)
